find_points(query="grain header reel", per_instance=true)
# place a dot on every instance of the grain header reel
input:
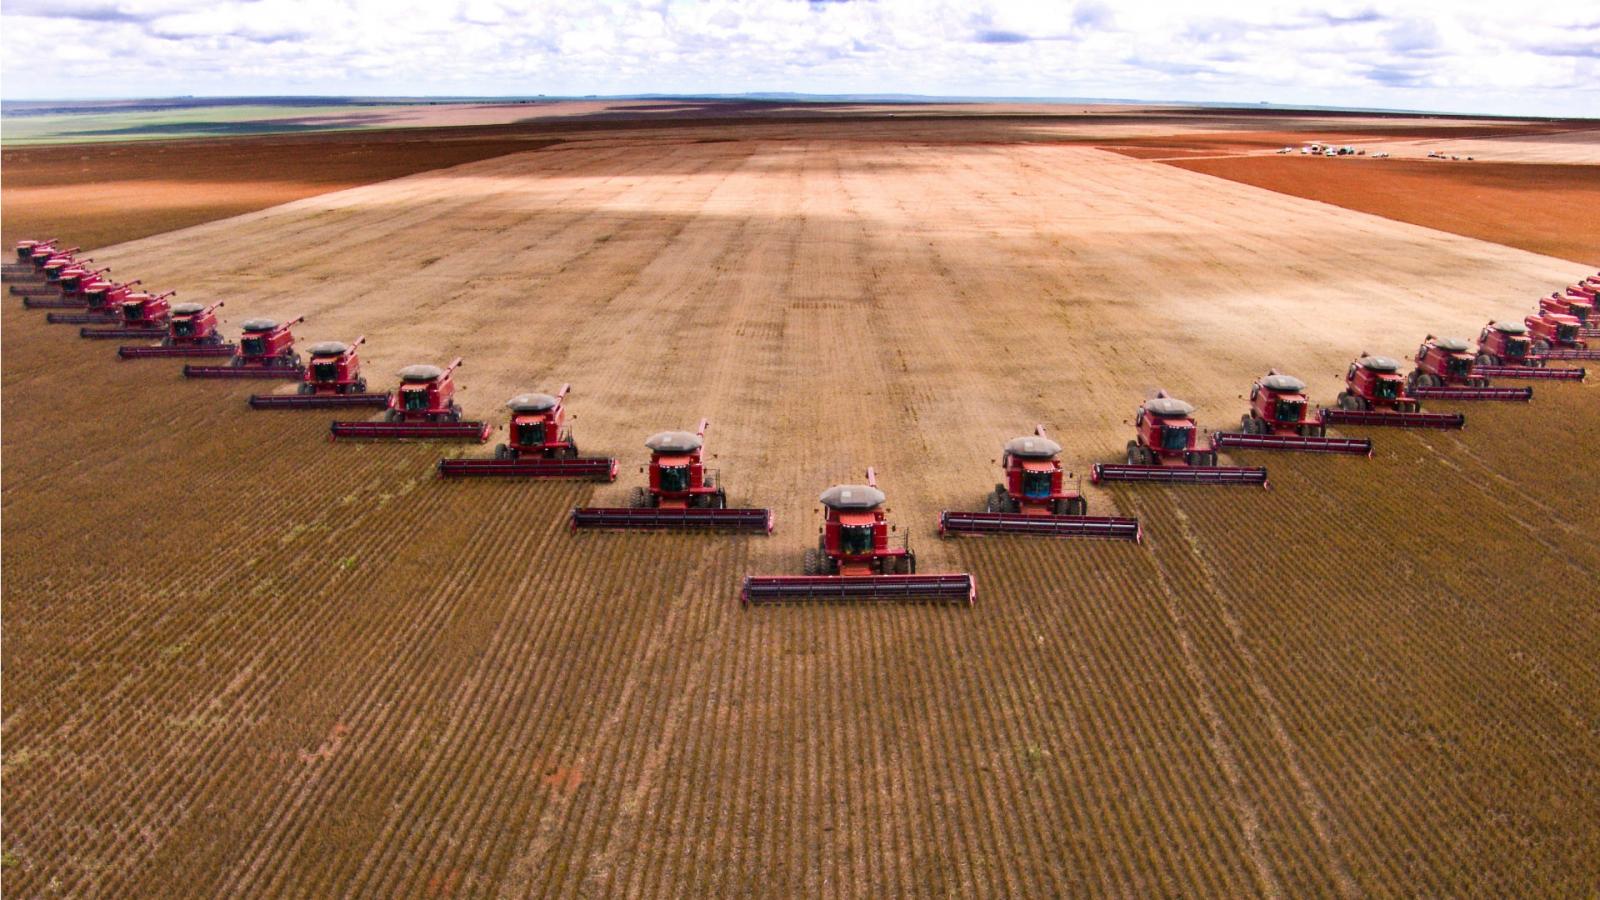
(856, 559)
(539, 445)
(1034, 499)
(681, 494)
(422, 408)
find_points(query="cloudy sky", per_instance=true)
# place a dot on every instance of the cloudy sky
(1465, 55)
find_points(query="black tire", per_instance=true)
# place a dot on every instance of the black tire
(639, 498)
(1486, 359)
(810, 563)
(570, 451)
(501, 451)
(1135, 453)
(991, 503)
(1541, 346)
(908, 564)
(236, 361)
(361, 385)
(719, 500)
(390, 415)
(1076, 506)
(306, 388)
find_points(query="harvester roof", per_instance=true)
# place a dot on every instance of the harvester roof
(421, 373)
(674, 442)
(1380, 364)
(1169, 408)
(259, 324)
(328, 348)
(1032, 446)
(1451, 345)
(532, 403)
(1510, 328)
(187, 309)
(852, 497)
(1284, 384)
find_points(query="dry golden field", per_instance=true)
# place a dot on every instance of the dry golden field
(242, 660)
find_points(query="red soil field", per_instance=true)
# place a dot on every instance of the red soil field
(1549, 209)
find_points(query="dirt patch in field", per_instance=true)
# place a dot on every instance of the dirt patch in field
(1548, 209)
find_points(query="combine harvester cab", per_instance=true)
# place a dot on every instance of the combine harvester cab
(191, 331)
(266, 350)
(143, 316)
(1447, 370)
(1506, 351)
(539, 445)
(423, 408)
(854, 559)
(1375, 394)
(682, 493)
(333, 380)
(1164, 451)
(69, 289)
(1033, 500)
(1280, 418)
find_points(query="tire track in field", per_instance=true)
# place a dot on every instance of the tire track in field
(1220, 742)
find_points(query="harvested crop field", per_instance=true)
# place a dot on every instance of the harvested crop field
(240, 659)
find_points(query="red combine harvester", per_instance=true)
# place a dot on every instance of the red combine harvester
(539, 445)
(333, 380)
(25, 251)
(143, 316)
(1164, 451)
(424, 407)
(266, 350)
(1504, 351)
(45, 280)
(855, 560)
(191, 331)
(102, 304)
(682, 493)
(1280, 418)
(1375, 394)
(70, 289)
(1558, 336)
(1576, 306)
(1034, 501)
(1447, 370)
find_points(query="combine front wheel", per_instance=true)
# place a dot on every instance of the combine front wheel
(812, 565)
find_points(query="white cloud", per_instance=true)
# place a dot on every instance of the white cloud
(1468, 55)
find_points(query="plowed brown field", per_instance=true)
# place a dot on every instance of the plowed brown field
(241, 660)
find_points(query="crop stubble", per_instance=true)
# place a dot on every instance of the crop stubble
(239, 658)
